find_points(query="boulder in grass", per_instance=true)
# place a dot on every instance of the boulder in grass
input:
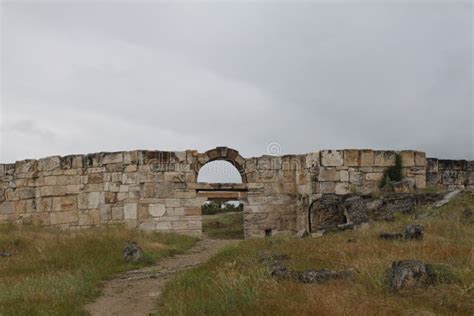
(409, 274)
(132, 252)
(413, 232)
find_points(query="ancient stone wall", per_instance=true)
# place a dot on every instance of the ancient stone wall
(157, 190)
(450, 174)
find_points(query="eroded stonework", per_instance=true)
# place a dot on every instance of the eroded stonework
(157, 190)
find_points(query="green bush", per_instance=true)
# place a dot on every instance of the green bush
(393, 173)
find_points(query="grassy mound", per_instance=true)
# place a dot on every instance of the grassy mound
(53, 272)
(237, 282)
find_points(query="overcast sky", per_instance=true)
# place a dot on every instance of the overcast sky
(88, 76)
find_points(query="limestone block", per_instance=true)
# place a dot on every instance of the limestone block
(312, 160)
(131, 168)
(110, 197)
(420, 158)
(109, 158)
(83, 201)
(122, 196)
(51, 180)
(179, 225)
(94, 199)
(185, 194)
(19, 207)
(408, 158)
(367, 158)
(332, 158)
(124, 188)
(44, 204)
(52, 190)
(351, 158)
(6, 208)
(420, 181)
(374, 176)
(344, 175)
(105, 213)
(129, 178)
(342, 188)
(115, 167)
(63, 217)
(24, 193)
(173, 202)
(328, 175)
(384, 158)
(148, 226)
(95, 178)
(74, 188)
(117, 213)
(25, 166)
(163, 225)
(194, 224)
(328, 187)
(89, 218)
(356, 177)
(130, 157)
(49, 163)
(130, 211)
(40, 218)
(157, 210)
(192, 211)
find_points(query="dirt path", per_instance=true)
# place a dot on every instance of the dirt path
(136, 292)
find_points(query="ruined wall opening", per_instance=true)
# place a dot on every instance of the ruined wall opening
(223, 219)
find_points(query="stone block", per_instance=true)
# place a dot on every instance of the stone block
(192, 211)
(328, 187)
(49, 163)
(130, 211)
(162, 225)
(173, 202)
(312, 160)
(110, 158)
(328, 175)
(94, 199)
(110, 197)
(156, 210)
(344, 175)
(374, 176)
(384, 158)
(148, 225)
(105, 213)
(342, 188)
(19, 207)
(408, 158)
(332, 158)
(351, 158)
(420, 181)
(95, 178)
(55, 190)
(420, 159)
(117, 213)
(6, 208)
(25, 193)
(63, 217)
(25, 166)
(367, 158)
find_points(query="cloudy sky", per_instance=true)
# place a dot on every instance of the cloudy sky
(88, 76)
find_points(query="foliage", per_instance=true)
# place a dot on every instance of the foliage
(54, 272)
(213, 207)
(393, 173)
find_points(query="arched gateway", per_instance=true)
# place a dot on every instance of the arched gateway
(158, 190)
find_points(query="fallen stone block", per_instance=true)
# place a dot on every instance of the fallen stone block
(132, 252)
(409, 274)
(413, 232)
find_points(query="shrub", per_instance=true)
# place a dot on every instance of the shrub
(393, 173)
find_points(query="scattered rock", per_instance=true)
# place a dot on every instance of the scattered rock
(309, 276)
(319, 233)
(404, 186)
(132, 252)
(302, 233)
(346, 226)
(467, 213)
(390, 236)
(448, 197)
(414, 232)
(409, 274)
(280, 272)
(4, 254)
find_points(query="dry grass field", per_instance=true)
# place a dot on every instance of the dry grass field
(54, 272)
(237, 281)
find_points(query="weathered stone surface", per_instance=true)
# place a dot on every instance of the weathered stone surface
(414, 232)
(130, 211)
(332, 158)
(409, 274)
(132, 252)
(367, 158)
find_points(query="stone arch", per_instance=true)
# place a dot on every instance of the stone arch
(223, 153)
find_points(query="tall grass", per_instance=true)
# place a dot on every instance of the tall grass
(54, 272)
(236, 282)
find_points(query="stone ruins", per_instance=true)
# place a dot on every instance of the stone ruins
(158, 190)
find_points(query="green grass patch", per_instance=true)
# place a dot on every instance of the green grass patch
(54, 272)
